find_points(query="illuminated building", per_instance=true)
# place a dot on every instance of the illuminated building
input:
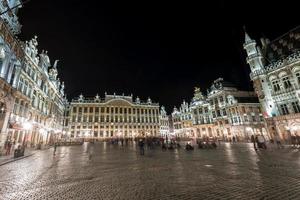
(275, 72)
(225, 112)
(11, 55)
(112, 116)
(31, 96)
(164, 126)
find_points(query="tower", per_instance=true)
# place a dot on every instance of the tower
(258, 75)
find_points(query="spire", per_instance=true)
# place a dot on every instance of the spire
(247, 37)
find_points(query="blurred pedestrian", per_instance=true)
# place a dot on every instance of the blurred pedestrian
(8, 147)
(254, 142)
(278, 142)
(141, 145)
(298, 140)
(55, 146)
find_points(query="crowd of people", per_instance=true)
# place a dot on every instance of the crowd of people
(258, 141)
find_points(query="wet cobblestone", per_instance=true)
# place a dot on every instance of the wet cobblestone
(103, 171)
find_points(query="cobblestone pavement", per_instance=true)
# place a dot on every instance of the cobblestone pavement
(103, 171)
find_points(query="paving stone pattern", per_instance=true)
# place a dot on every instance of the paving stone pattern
(103, 171)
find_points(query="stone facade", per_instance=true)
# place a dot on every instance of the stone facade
(32, 101)
(112, 116)
(275, 72)
(225, 112)
(39, 99)
(164, 125)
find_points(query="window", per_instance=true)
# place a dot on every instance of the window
(286, 82)
(74, 109)
(206, 110)
(298, 77)
(91, 109)
(296, 107)
(276, 86)
(97, 110)
(284, 109)
(221, 99)
(218, 113)
(85, 109)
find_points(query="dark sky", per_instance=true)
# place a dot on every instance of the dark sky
(155, 49)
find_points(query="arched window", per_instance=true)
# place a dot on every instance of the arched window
(286, 82)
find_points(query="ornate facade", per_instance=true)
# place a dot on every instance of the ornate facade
(11, 57)
(225, 112)
(31, 96)
(112, 116)
(275, 72)
(39, 99)
(164, 124)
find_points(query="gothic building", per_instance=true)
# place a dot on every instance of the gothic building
(225, 112)
(112, 116)
(11, 56)
(275, 72)
(164, 125)
(32, 100)
(39, 99)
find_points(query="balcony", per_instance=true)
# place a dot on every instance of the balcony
(256, 73)
(250, 57)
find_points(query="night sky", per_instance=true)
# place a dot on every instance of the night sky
(155, 49)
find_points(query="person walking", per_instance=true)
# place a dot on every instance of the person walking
(278, 142)
(55, 146)
(141, 145)
(254, 142)
(8, 145)
(293, 140)
(297, 140)
(261, 142)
